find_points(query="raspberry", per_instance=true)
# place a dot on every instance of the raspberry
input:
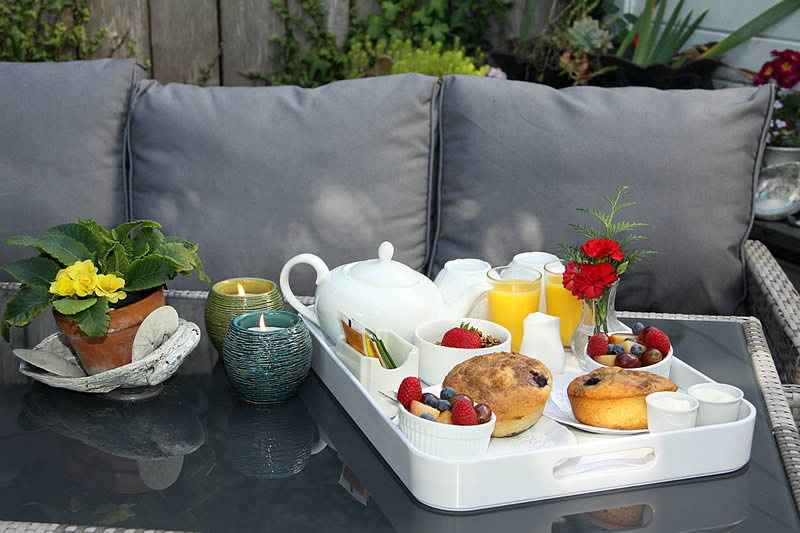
(598, 345)
(658, 340)
(463, 413)
(410, 389)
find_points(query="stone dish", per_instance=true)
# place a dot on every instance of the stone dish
(778, 194)
(149, 371)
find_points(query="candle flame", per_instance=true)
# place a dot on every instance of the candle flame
(262, 325)
(240, 289)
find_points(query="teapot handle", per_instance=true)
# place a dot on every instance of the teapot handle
(322, 273)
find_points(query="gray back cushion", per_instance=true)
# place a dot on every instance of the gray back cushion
(62, 145)
(518, 158)
(258, 175)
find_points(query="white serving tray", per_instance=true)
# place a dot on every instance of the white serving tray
(595, 463)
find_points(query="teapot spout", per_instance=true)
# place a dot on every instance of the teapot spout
(463, 305)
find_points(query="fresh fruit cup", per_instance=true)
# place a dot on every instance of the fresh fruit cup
(590, 363)
(435, 361)
(446, 440)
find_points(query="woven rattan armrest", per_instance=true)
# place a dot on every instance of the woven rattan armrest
(773, 299)
(783, 424)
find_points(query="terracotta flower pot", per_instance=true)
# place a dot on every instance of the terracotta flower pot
(98, 354)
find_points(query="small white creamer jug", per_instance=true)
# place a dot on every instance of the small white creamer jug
(541, 339)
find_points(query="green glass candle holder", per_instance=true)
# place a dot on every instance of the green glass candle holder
(224, 303)
(267, 366)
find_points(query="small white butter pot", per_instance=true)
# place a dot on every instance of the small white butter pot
(668, 411)
(719, 402)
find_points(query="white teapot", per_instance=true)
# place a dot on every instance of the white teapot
(379, 293)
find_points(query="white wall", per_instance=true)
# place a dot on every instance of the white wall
(725, 16)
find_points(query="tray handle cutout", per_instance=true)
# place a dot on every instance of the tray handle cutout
(633, 459)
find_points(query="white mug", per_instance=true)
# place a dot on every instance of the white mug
(536, 261)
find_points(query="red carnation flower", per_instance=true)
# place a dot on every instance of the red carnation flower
(568, 278)
(602, 248)
(588, 281)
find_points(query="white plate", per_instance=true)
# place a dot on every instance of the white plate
(559, 409)
(543, 434)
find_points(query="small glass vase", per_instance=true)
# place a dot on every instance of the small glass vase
(599, 316)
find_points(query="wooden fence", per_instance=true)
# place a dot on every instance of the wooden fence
(213, 42)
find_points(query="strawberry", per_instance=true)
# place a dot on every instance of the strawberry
(598, 345)
(410, 389)
(463, 414)
(463, 336)
(658, 340)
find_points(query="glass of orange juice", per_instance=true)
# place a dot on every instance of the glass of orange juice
(561, 302)
(514, 295)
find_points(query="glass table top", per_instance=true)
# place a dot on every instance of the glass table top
(197, 458)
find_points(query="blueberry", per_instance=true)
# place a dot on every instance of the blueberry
(443, 405)
(616, 349)
(637, 327)
(430, 399)
(538, 378)
(447, 393)
(637, 350)
(592, 381)
(427, 416)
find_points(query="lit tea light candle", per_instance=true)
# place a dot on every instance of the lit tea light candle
(262, 325)
(240, 290)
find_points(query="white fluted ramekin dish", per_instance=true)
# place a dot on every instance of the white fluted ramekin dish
(446, 440)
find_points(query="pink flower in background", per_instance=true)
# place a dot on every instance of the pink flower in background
(495, 72)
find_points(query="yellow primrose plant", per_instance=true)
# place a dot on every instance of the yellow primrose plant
(84, 271)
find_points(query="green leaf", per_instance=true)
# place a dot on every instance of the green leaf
(122, 231)
(26, 304)
(200, 270)
(146, 240)
(64, 249)
(23, 240)
(94, 320)
(643, 45)
(78, 233)
(36, 271)
(70, 306)
(146, 273)
(178, 255)
(752, 28)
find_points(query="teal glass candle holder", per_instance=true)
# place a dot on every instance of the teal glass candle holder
(267, 366)
(224, 303)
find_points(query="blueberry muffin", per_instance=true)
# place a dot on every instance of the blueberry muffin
(515, 386)
(613, 397)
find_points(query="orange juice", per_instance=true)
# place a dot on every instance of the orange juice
(563, 304)
(510, 301)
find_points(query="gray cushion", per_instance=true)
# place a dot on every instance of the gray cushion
(257, 175)
(518, 158)
(61, 145)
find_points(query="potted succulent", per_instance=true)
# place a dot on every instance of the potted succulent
(101, 284)
(564, 52)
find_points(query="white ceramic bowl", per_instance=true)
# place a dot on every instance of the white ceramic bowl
(446, 440)
(436, 361)
(661, 368)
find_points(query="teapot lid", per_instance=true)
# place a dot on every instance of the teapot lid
(383, 272)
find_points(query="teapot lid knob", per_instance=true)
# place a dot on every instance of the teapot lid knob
(385, 252)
